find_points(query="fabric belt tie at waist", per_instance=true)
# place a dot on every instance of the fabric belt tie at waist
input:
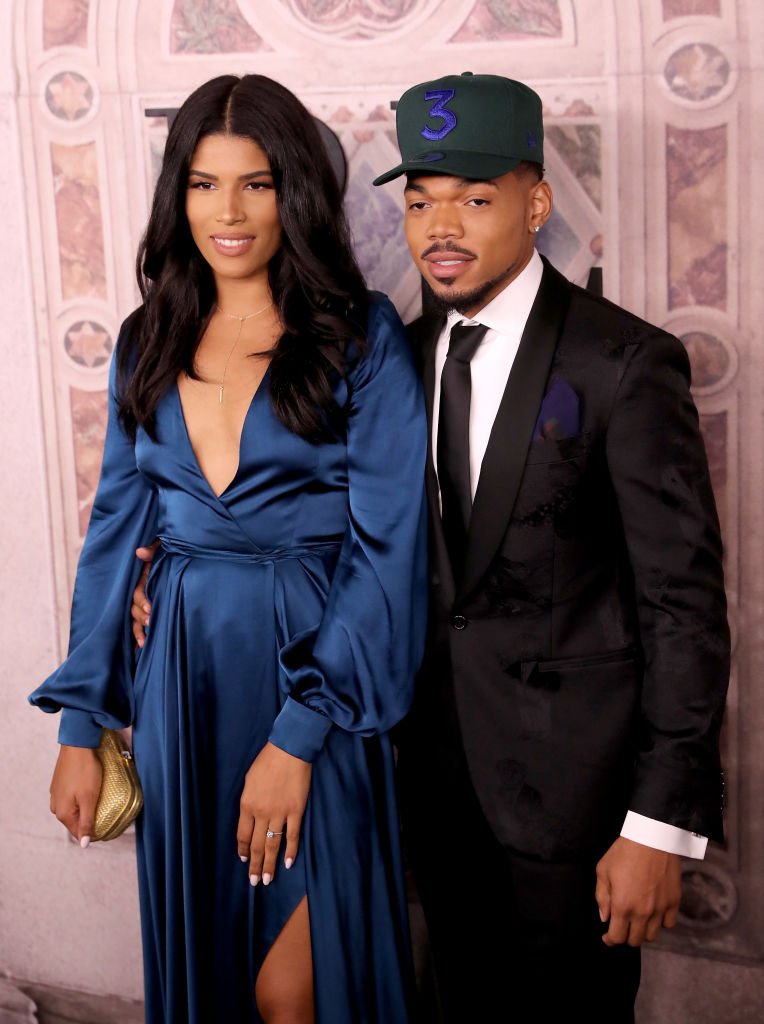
(171, 545)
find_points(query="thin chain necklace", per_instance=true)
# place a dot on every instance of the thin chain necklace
(241, 319)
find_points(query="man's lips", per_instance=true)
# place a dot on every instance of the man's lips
(232, 245)
(446, 264)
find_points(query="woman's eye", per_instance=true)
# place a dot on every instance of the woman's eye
(201, 186)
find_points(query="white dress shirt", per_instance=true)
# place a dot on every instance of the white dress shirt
(505, 317)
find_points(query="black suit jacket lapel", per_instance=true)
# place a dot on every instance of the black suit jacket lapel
(424, 334)
(504, 460)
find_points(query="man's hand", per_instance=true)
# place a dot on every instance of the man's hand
(141, 607)
(74, 791)
(638, 891)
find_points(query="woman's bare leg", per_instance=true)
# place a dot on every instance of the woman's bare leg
(284, 987)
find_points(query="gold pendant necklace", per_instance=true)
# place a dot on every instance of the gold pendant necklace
(241, 319)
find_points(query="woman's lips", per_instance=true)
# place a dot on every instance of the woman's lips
(232, 245)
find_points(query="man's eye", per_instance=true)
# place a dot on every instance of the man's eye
(421, 205)
(477, 201)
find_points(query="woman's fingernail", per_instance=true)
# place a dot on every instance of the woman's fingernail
(243, 859)
(147, 608)
(85, 842)
(254, 879)
(267, 878)
(289, 862)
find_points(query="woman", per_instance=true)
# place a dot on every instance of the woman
(266, 423)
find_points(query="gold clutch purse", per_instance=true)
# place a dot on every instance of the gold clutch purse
(121, 797)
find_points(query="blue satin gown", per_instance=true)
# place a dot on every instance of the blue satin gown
(289, 608)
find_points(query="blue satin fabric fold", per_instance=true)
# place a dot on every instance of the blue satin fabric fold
(291, 607)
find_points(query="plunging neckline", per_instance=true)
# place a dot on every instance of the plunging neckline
(219, 495)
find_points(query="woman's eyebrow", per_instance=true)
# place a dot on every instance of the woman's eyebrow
(242, 177)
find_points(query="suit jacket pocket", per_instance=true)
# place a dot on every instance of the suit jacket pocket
(562, 450)
(587, 661)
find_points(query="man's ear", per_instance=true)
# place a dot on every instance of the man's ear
(541, 203)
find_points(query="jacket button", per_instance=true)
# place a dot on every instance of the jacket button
(459, 621)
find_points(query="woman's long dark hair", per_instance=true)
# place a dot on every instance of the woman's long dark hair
(314, 278)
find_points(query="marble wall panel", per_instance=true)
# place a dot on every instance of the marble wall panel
(211, 26)
(696, 165)
(79, 221)
(65, 22)
(512, 19)
(88, 412)
(685, 8)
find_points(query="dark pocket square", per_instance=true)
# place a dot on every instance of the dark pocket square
(559, 414)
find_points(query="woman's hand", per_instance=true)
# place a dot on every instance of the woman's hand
(273, 799)
(74, 790)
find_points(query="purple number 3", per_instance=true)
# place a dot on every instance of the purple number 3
(442, 97)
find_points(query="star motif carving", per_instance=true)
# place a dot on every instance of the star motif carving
(88, 344)
(70, 95)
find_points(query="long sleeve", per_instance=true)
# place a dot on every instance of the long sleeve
(94, 684)
(357, 670)
(659, 469)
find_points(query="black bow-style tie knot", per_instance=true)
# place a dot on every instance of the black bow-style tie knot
(454, 440)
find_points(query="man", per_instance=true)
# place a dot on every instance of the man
(563, 750)
(564, 745)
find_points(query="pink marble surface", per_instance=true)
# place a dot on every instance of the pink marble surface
(697, 71)
(79, 221)
(65, 23)
(685, 8)
(510, 19)
(88, 431)
(211, 26)
(580, 146)
(709, 358)
(696, 166)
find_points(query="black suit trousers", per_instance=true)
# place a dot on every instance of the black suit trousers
(512, 939)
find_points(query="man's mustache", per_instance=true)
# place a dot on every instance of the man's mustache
(447, 247)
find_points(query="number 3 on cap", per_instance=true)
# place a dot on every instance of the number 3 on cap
(441, 97)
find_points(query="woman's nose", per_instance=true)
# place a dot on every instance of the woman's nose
(230, 211)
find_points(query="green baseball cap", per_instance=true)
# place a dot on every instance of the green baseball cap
(471, 126)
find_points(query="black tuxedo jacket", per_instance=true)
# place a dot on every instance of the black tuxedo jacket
(582, 663)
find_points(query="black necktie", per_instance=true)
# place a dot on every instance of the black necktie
(454, 440)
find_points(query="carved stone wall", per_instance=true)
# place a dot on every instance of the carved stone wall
(654, 153)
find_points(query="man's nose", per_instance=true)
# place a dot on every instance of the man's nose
(444, 222)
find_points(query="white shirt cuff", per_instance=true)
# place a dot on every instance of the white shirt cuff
(661, 836)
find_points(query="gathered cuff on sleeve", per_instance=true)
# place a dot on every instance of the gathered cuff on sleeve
(78, 729)
(299, 731)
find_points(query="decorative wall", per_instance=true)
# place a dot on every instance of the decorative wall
(652, 152)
